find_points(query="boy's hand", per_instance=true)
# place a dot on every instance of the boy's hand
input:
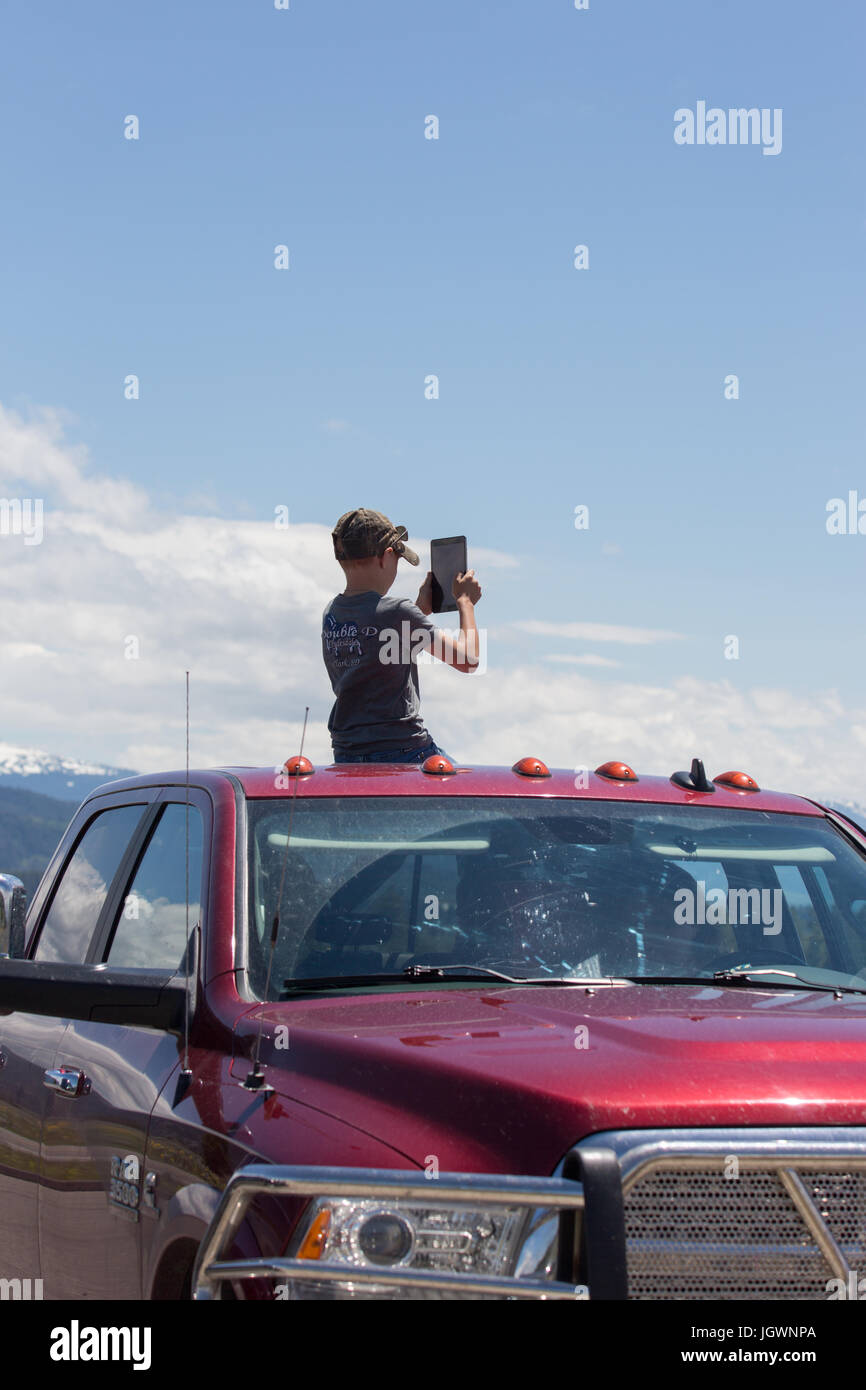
(466, 586)
(424, 600)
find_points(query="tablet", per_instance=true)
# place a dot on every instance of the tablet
(447, 560)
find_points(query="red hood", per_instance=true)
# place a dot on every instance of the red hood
(488, 1079)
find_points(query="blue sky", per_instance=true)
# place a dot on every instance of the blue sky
(454, 256)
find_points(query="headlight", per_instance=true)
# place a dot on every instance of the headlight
(383, 1238)
(447, 1239)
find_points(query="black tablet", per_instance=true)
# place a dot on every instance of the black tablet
(447, 560)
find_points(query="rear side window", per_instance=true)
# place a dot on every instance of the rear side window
(76, 905)
(151, 928)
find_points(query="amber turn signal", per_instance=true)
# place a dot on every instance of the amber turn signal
(314, 1241)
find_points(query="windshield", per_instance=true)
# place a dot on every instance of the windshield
(565, 888)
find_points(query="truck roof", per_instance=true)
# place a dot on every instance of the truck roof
(391, 779)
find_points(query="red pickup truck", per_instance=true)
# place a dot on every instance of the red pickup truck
(436, 1032)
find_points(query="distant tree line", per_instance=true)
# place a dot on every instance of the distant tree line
(30, 829)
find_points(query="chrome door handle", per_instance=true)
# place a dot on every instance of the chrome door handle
(66, 1081)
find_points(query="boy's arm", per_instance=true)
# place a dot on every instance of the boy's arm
(460, 652)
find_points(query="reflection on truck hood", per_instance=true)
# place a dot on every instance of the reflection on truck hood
(508, 1079)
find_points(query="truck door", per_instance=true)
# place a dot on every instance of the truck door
(28, 1045)
(68, 904)
(96, 1202)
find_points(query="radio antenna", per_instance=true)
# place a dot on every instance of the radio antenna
(185, 1077)
(255, 1081)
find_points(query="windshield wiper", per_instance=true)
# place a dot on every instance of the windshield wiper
(744, 977)
(480, 972)
(421, 974)
(340, 981)
(430, 974)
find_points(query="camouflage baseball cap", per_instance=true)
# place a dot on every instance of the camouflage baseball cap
(361, 534)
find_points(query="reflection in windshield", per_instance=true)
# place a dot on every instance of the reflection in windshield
(550, 887)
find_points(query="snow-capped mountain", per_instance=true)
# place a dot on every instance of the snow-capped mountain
(68, 778)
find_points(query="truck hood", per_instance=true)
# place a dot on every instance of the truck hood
(506, 1080)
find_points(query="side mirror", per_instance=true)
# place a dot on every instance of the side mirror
(13, 900)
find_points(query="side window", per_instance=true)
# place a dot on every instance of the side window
(81, 893)
(151, 928)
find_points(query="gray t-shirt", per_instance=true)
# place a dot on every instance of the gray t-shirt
(369, 642)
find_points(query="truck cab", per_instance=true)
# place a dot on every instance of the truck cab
(392, 1031)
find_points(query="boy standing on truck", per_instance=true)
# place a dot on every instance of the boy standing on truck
(370, 644)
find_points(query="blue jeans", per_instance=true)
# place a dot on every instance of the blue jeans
(397, 755)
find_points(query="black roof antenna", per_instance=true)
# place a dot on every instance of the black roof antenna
(696, 780)
(255, 1079)
(192, 956)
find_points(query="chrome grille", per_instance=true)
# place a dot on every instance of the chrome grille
(841, 1200)
(792, 1219)
(693, 1235)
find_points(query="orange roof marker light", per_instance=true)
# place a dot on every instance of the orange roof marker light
(438, 765)
(740, 781)
(617, 772)
(298, 766)
(531, 767)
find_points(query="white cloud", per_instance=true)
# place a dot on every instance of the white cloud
(481, 558)
(34, 454)
(597, 632)
(589, 659)
(569, 719)
(238, 603)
